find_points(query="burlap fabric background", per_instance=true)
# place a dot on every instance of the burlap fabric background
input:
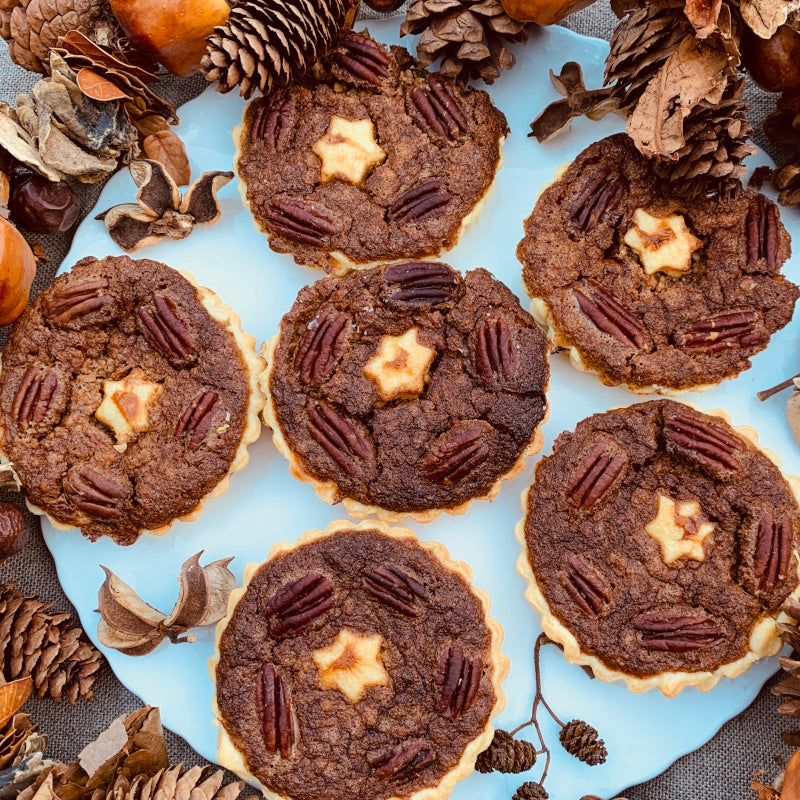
(721, 770)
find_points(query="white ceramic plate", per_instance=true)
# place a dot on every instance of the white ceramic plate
(643, 733)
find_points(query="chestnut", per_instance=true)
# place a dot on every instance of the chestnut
(44, 206)
(774, 64)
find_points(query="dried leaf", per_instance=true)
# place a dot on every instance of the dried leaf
(97, 87)
(107, 745)
(695, 71)
(764, 17)
(15, 140)
(166, 147)
(12, 696)
(793, 414)
(703, 15)
(149, 124)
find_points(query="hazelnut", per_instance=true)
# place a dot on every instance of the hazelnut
(13, 530)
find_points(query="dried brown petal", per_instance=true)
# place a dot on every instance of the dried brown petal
(158, 192)
(200, 201)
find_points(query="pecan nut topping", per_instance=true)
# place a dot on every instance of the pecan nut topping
(362, 58)
(425, 201)
(595, 476)
(395, 589)
(403, 762)
(95, 493)
(275, 712)
(166, 331)
(319, 350)
(438, 109)
(677, 632)
(297, 604)
(495, 352)
(721, 331)
(597, 200)
(338, 436)
(78, 300)
(704, 440)
(761, 226)
(196, 419)
(457, 453)
(457, 681)
(606, 313)
(34, 396)
(300, 220)
(273, 121)
(586, 586)
(773, 549)
(420, 283)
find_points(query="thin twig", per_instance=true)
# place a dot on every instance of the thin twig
(767, 393)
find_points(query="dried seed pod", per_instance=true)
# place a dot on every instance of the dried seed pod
(793, 411)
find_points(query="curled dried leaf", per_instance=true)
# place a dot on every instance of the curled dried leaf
(97, 87)
(703, 14)
(166, 147)
(12, 696)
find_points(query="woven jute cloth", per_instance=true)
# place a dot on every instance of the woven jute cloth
(721, 770)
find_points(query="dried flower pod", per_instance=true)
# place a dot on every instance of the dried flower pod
(793, 411)
(13, 530)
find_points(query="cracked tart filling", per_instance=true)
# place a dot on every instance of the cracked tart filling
(362, 642)
(407, 387)
(127, 395)
(650, 288)
(660, 544)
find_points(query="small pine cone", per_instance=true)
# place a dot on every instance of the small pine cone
(581, 740)
(506, 754)
(263, 47)
(202, 783)
(530, 790)
(48, 647)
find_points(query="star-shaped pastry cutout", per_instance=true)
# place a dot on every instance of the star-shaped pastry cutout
(400, 366)
(679, 530)
(126, 405)
(348, 150)
(351, 664)
(663, 244)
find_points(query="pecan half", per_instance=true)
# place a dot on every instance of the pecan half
(395, 589)
(319, 350)
(597, 200)
(420, 203)
(298, 603)
(77, 300)
(495, 354)
(34, 395)
(586, 586)
(300, 220)
(272, 121)
(609, 316)
(196, 419)
(338, 436)
(717, 333)
(457, 681)
(95, 493)
(402, 762)
(705, 441)
(421, 283)
(595, 476)
(456, 453)
(362, 58)
(166, 331)
(773, 549)
(272, 701)
(761, 229)
(438, 109)
(676, 632)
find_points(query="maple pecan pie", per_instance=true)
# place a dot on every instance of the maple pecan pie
(650, 288)
(128, 394)
(373, 160)
(406, 389)
(356, 662)
(659, 545)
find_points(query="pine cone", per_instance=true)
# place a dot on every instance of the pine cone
(173, 783)
(581, 740)
(530, 790)
(506, 754)
(468, 35)
(32, 28)
(716, 139)
(265, 45)
(48, 647)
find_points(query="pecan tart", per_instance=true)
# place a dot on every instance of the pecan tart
(374, 159)
(659, 545)
(650, 288)
(356, 662)
(128, 395)
(406, 389)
